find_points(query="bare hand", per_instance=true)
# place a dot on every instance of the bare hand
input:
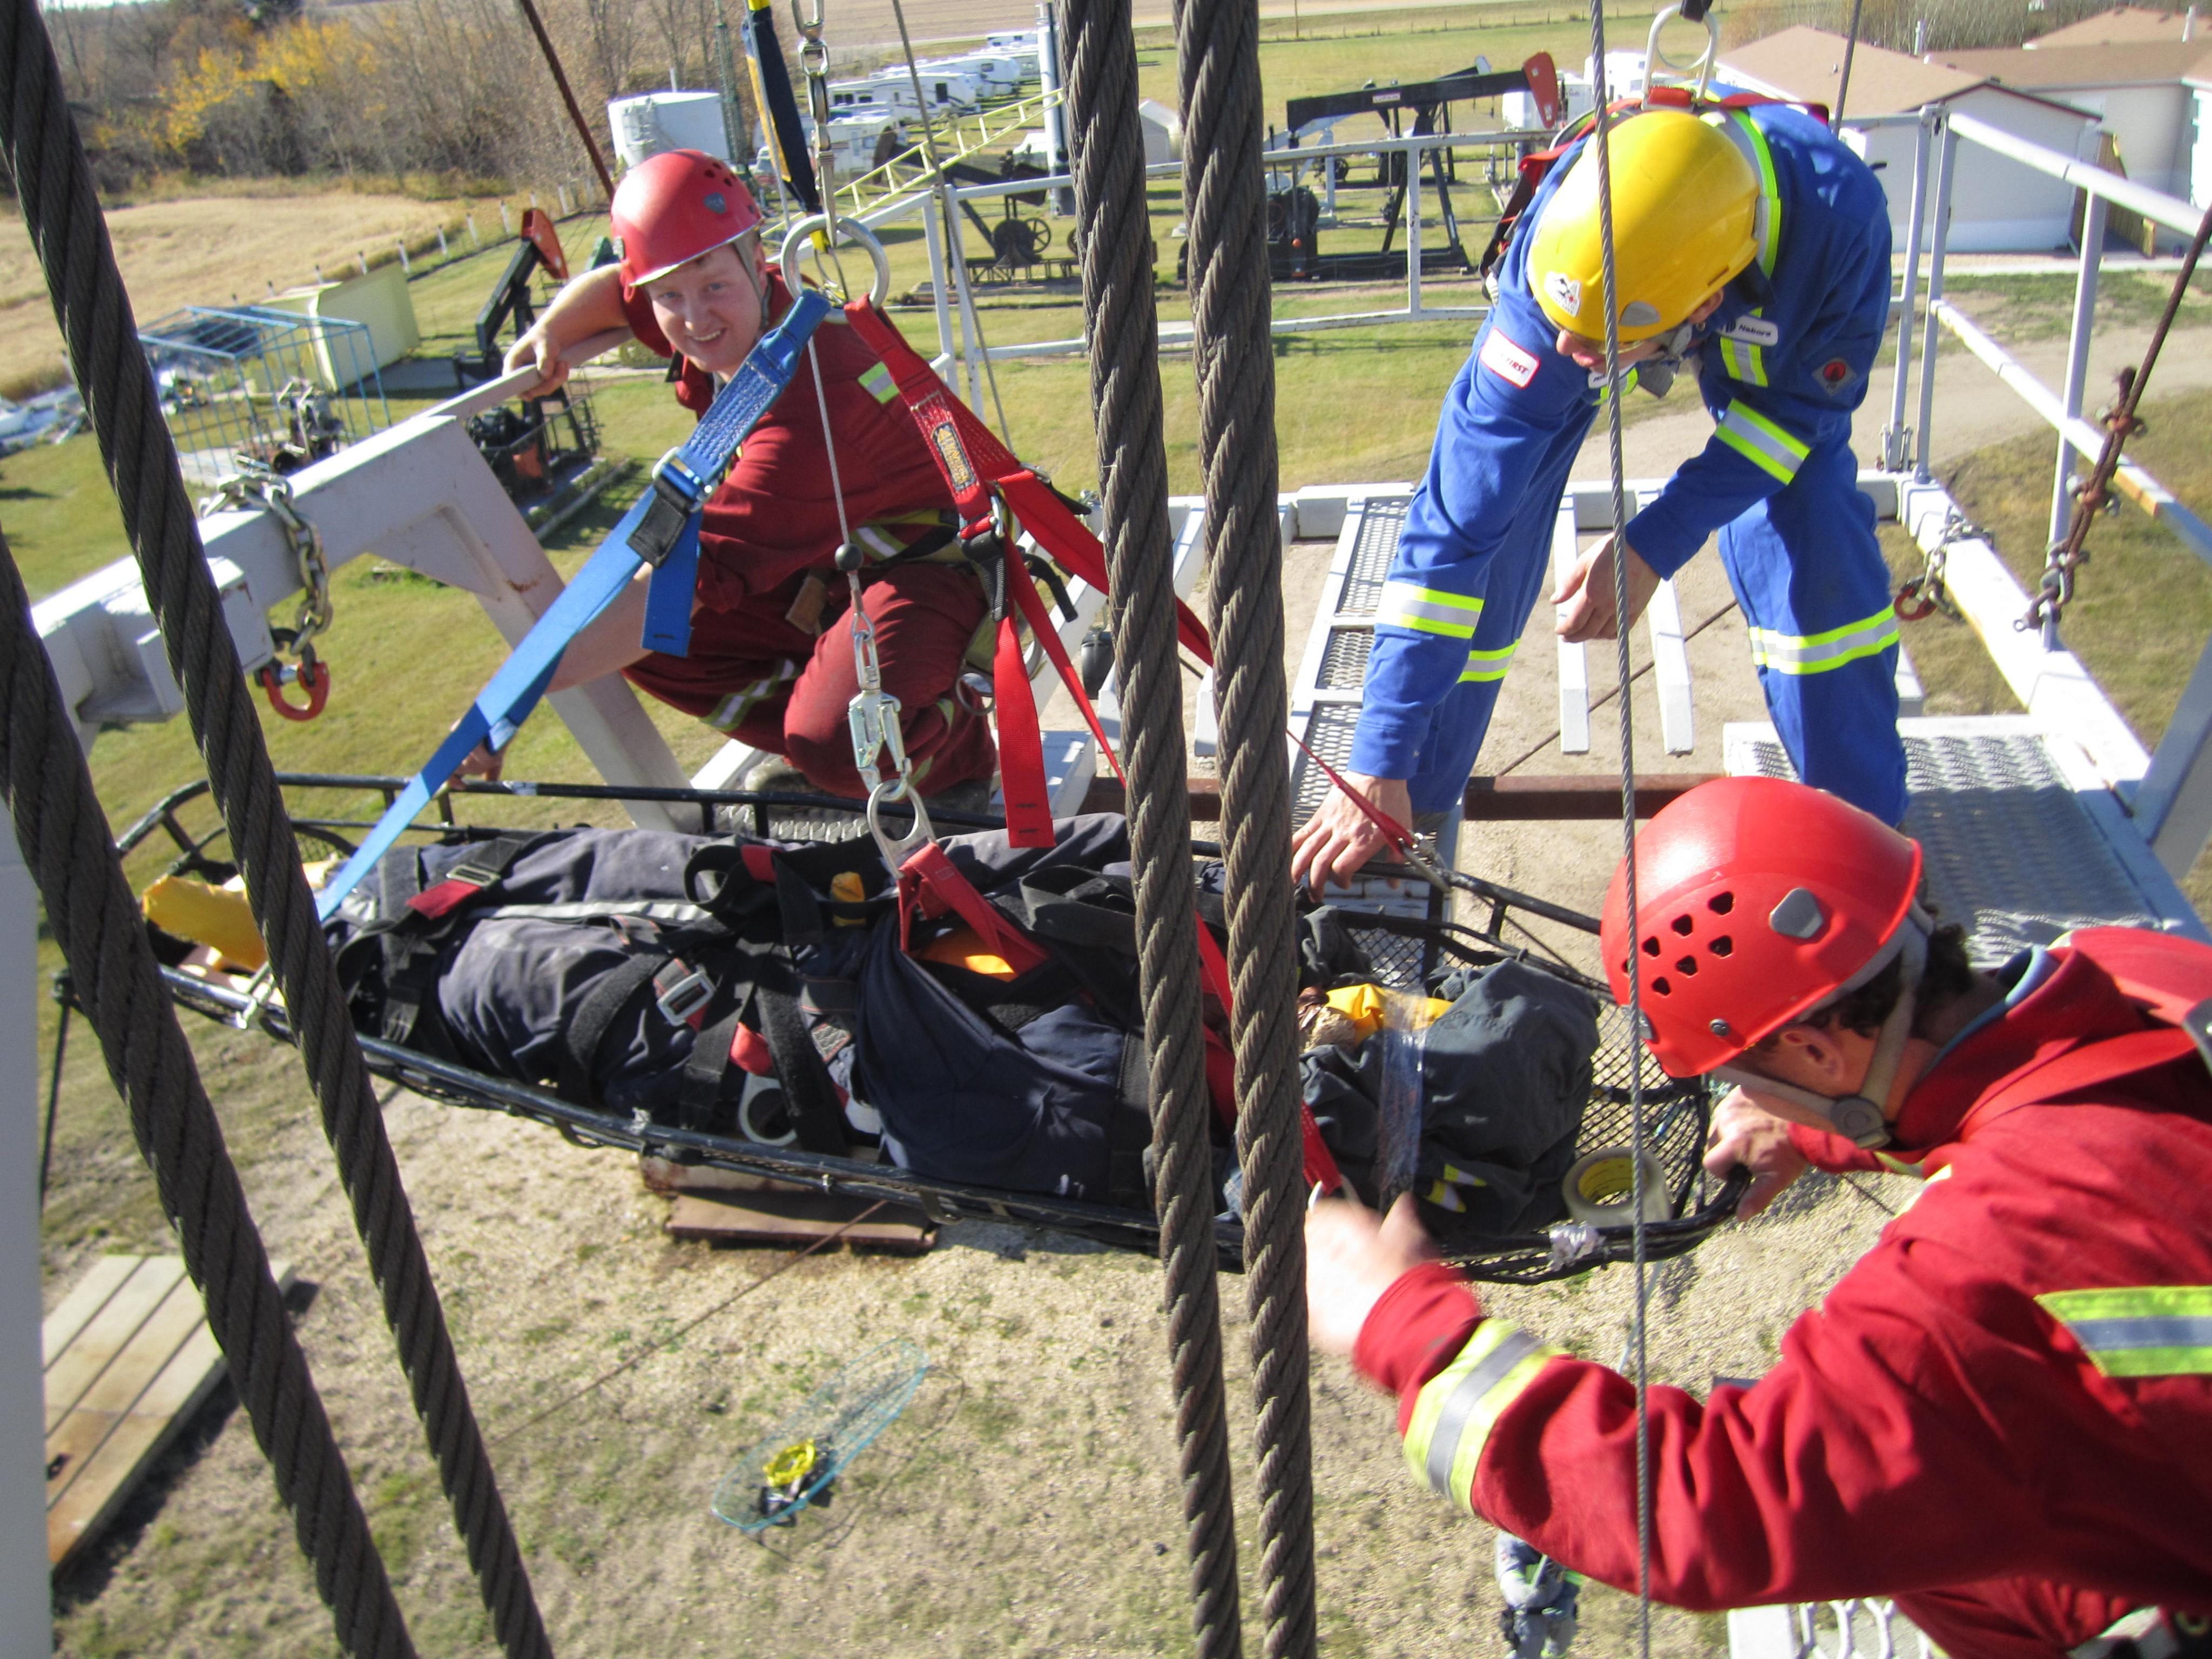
(1744, 1133)
(481, 762)
(1352, 1256)
(1335, 842)
(536, 351)
(1585, 595)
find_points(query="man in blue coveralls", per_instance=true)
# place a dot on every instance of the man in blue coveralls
(1752, 242)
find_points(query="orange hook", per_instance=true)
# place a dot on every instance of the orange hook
(313, 675)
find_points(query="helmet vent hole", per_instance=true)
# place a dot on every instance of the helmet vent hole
(1650, 947)
(1682, 924)
(1723, 946)
(1661, 985)
(1720, 904)
(1687, 967)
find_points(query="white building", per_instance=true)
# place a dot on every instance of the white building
(1997, 205)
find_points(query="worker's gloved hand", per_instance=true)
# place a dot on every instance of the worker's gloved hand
(1745, 1132)
(1335, 842)
(1352, 1256)
(1585, 595)
(536, 351)
(1541, 1597)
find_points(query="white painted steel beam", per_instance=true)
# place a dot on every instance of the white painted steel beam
(1670, 671)
(1574, 657)
(26, 1617)
(2173, 802)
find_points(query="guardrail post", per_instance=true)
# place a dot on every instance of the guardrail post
(1412, 230)
(1940, 237)
(1897, 437)
(2077, 360)
(932, 234)
(26, 1626)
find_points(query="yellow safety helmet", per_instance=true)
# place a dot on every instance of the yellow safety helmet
(1685, 220)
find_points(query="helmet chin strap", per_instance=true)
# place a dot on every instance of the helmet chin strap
(1859, 1118)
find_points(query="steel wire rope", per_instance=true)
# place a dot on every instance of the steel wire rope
(61, 210)
(568, 96)
(1640, 1243)
(1231, 295)
(95, 917)
(1123, 323)
(968, 320)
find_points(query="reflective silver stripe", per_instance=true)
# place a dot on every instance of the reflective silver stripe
(1743, 361)
(879, 543)
(2144, 1330)
(1428, 611)
(675, 912)
(1452, 1421)
(879, 384)
(1763, 443)
(729, 713)
(1488, 664)
(1817, 653)
(2173, 1331)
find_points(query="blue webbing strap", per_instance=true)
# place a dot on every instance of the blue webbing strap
(645, 534)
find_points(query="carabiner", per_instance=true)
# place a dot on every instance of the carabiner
(897, 850)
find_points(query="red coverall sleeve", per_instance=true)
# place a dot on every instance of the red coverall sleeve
(1846, 1470)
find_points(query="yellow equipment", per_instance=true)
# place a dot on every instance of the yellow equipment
(218, 917)
(1685, 220)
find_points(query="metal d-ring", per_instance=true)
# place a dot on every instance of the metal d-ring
(897, 850)
(1699, 69)
(845, 230)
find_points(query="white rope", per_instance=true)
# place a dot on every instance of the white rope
(1635, 1041)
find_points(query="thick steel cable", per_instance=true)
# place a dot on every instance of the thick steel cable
(1224, 194)
(61, 209)
(1123, 325)
(568, 97)
(95, 917)
(1600, 140)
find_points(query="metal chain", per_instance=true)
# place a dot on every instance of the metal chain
(1600, 141)
(1922, 596)
(257, 486)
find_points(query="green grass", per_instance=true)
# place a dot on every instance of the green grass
(2040, 305)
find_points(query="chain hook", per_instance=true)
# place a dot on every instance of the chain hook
(256, 485)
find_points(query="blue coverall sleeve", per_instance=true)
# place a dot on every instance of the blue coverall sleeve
(1774, 405)
(1516, 405)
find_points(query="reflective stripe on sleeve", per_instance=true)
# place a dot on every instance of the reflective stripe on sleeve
(1456, 1409)
(1428, 611)
(878, 383)
(2147, 1330)
(1488, 664)
(1817, 653)
(1743, 361)
(1761, 443)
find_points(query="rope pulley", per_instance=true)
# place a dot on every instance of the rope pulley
(256, 486)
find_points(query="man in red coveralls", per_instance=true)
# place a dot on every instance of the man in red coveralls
(2003, 1413)
(771, 661)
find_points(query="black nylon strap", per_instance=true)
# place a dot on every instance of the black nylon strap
(699, 1101)
(816, 1114)
(1129, 1130)
(595, 1017)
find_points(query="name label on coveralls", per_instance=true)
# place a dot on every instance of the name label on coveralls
(1753, 330)
(1507, 361)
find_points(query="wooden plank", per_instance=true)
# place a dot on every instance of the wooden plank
(130, 1412)
(797, 1218)
(1574, 658)
(75, 1311)
(75, 1369)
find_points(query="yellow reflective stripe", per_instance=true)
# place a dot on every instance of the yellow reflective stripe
(1816, 653)
(880, 385)
(730, 714)
(1899, 1166)
(1428, 611)
(2146, 1330)
(1743, 361)
(1769, 190)
(1488, 664)
(1605, 387)
(1456, 1409)
(1761, 443)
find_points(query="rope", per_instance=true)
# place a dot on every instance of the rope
(1117, 256)
(90, 905)
(568, 97)
(54, 1101)
(1633, 1038)
(1844, 76)
(1225, 190)
(61, 209)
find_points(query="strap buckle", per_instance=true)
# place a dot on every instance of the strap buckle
(676, 494)
(683, 998)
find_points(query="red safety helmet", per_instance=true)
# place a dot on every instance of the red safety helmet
(1757, 901)
(674, 207)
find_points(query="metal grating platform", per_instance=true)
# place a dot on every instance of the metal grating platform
(2011, 850)
(1344, 659)
(1376, 545)
(1329, 731)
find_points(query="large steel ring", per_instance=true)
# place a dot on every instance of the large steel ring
(1698, 70)
(847, 230)
(897, 849)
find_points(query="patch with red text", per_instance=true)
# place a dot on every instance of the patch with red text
(1506, 360)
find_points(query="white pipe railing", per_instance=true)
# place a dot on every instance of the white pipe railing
(2170, 211)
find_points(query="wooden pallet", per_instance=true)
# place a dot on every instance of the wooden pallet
(129, 1359)
(796, 1217)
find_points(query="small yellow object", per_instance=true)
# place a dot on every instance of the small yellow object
(844, 888)
(790, 1466)
(1363, 1005)
(217, 917)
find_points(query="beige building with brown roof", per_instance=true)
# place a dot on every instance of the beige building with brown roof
(2143, 92)
(1998, 205)
(2125, 26)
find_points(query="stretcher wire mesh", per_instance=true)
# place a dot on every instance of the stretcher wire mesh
(2011, 853)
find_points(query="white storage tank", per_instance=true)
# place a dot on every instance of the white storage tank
(653, 122)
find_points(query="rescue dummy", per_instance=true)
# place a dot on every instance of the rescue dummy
(1752, 247)
(2002, 1415)
(771, 659)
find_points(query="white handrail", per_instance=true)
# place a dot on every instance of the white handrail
(2170, 211)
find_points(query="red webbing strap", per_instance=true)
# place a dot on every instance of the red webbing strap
(2085, 1067)
(932, 882)
(1031, 603)
(1021, 745)
(1319, 1163)
(1077, 552)
(450, 894)
(759, 862)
